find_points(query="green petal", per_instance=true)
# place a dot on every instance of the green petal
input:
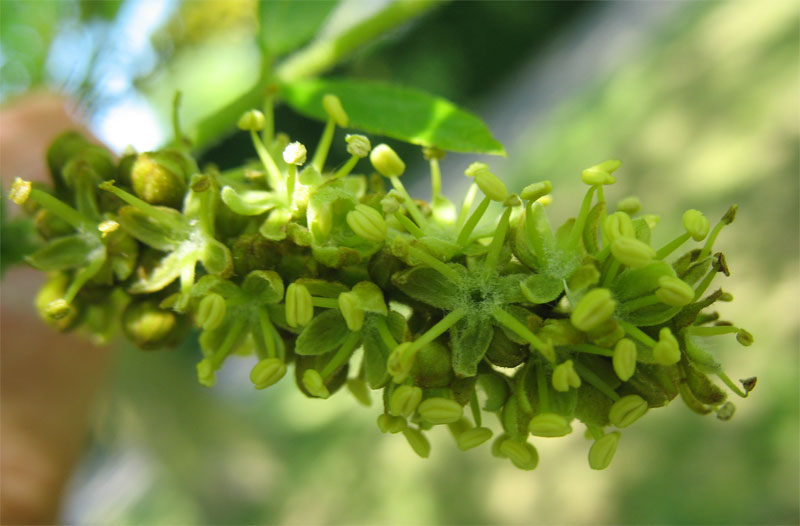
(428, 286)
(163, 274)
(161, 235)
(541, 288)
(469, 341)
(326, 332)
(216, 258)
(249, 202)
(264, 285)
(634, 283)
(369, 298)
(65, 253)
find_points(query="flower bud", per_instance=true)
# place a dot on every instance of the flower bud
(211, 311)
(595, 307)
(352, 313)
(367, 223)
(295, 153)
(534, 191)
(522, 454)
(440, 410)
(487, 181)
(20, 191)
(404, 400)
(627, 410)
(674, 291)
(549, 425)
(618, 225)
(314, 384)
(400, 362)
(630, 205)
(57, 309)
(472, 438)
(267, 372)
(624, 359)
(206, 374)
(386, 161)
(149, 326)
(418, 442)
(252, 120)
(666, 351)
(596, 176)
(358, 145)
(391, 424)
(160, 178)
(564, 377)
(602, 451)
(333, 107)
(632, 252)
(299, 306)
(696, 224)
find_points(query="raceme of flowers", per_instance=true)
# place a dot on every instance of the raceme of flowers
(451, 316)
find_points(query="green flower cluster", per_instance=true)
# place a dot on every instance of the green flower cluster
(446, 314)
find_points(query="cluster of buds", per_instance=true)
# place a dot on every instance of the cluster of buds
(451, 316)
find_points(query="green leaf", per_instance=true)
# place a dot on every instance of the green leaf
(286, 25)
(65, 253)
(326, 332)
(469, 341)
(395, 111)
(428, 286)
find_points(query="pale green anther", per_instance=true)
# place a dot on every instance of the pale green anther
(609, 166)
(386, 161)
(489, 184)
(602, 451)
(404, 400)
(367, 223)
(627, 410)
(696, 224)
(333, 107)
(418, 442)
(251, 120)
(666, 351)
(674, 291)
(358, 145)
(630, 205)
(107, 227)
(267, 372)
(400, 361)
(726, 296)
(549, 425)
(618, 225)
(726, 411)
(522, 454)
(314, 384)
(211, 311)
(596, 176)
(205, 373)
(624, 359)
(20, 191)
(652, 220)
(472, 438)
(564, 377)
(391, 424)
(512, 200)
(440, 410)
(352, 313)
(299, 305)
(57, 309)
(360, 391)
(475, 168)
(744, 337)
(595, 307)
(631, 252)
(534, 191)
(295, 153)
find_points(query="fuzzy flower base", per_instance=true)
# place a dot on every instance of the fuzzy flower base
(449, 315)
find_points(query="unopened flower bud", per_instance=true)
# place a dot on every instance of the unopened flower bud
(440, 410)
(489, 184)
(358, 145)
(630, 205)
(404, 400)
(534, 191)
(624, 359)
(386, 161)
(299, 306)
(549, 425)
(333, 107)
(400, 361)
(602, 451)
(211, 311)
(20, 191)
(696, 224)
(295, 153)
(267, 372)
(57, 309)
(596, 176)
(632, 252)
(314, 384)
(666, 351)
(618, 225)
(595, 307)
(160, 178)
(391, 424)
(564, 377)
(627, 410)
(252, 120)
(472, 438)
(674, 291)
(418, 442)
(149, 326)
(522, 454)
(367, 223)
(352, 313)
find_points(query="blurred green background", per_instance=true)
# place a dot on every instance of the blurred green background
(701, 101)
